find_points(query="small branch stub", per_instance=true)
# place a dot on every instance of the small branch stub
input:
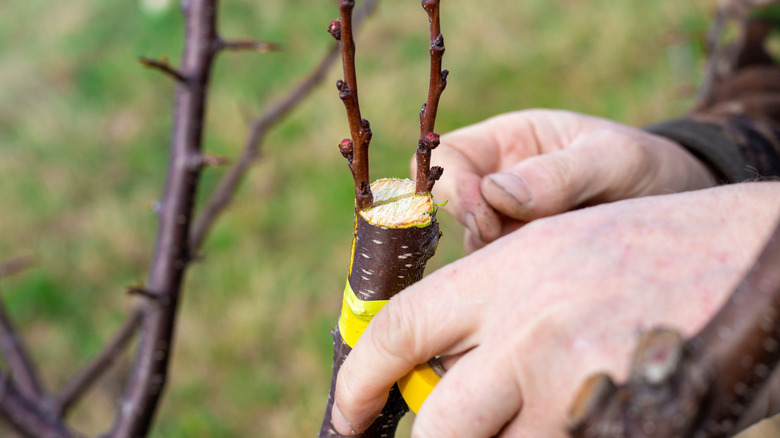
(163, 66)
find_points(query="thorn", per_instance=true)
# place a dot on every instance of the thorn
(163, 66)
(247, 44)
(334, 29)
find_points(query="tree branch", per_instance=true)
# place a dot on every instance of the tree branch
(438, 81)
(15, 266)
(246, 44)
(163, 66)
(83, 381)
(25, 417)
(360, 129)
(23, 371)
(226, 189)
(172, 251)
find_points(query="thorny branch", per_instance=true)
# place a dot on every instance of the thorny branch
(355, 151)
(426, 176)
(698, 388)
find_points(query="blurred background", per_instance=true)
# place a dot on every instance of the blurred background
(83, 148)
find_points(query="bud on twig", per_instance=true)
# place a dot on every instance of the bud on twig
(335, 29)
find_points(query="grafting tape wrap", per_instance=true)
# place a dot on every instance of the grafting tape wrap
(356, 314)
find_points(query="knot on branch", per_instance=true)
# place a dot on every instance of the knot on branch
(434, 175)
(334, 29)
(437, 45)
(345, 147)
(343, 89)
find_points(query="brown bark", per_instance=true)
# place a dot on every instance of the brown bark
(389, 253)
(426, 177)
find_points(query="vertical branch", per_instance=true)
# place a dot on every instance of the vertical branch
(425, 178)
(356, 150)
(172, 251)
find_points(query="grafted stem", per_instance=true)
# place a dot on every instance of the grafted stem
(438, 81)
(359, 127)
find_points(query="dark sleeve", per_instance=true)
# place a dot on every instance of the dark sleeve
(736, 148)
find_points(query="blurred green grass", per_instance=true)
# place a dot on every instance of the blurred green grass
(83, 149)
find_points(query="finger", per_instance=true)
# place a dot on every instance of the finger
(476, 398)
(472, 242)
(601, 166)
(425, 320)
(460, 192)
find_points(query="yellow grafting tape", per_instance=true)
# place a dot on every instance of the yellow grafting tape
(356, 314)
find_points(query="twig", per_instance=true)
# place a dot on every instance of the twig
(359, 127)
(246, 44)
(438, 81)
(15, 265)
(226, 189)
(83, 381)
(22, 369)
(163, 66)
(25, 417)
(172, 251)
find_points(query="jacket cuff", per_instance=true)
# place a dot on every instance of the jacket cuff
(708, 143)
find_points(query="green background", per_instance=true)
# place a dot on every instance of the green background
(83, 149)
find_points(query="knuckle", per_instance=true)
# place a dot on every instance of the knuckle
(396, 322)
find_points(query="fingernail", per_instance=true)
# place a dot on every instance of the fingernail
(471, 224)
(512, 185)
(340, 423)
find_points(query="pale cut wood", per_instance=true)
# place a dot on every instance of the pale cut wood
(395, 204)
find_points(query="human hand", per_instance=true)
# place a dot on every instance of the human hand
(522, 322)
(521, 166)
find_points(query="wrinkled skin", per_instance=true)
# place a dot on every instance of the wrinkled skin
(534, 313)
(521, 166)
(522, 321)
